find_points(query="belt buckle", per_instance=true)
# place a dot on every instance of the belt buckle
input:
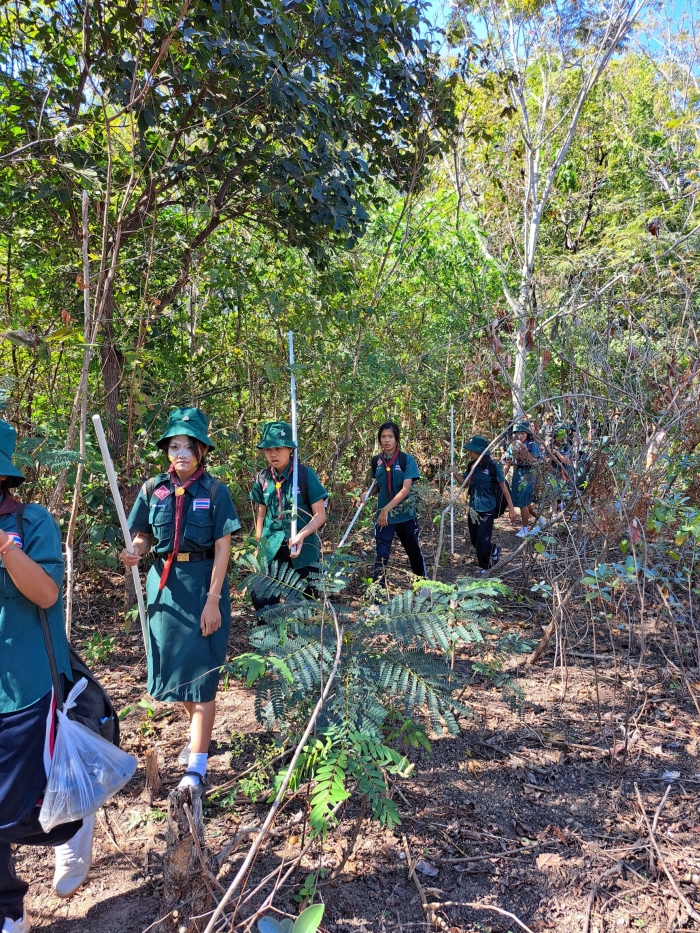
(183, 556)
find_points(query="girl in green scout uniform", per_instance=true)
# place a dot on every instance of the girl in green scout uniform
(187, 517)
(394, 470)
(482, 484)
(524, 454)
(272, 495)
(31, 577)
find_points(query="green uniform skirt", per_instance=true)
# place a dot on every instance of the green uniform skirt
(183, 665)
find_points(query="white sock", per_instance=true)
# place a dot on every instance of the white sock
(197, 762)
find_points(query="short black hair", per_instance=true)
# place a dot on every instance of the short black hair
(390, 426)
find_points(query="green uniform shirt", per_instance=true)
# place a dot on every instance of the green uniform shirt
(203, 521)
(405, 510)
(482, 494)
(277, 530)
(25, 676)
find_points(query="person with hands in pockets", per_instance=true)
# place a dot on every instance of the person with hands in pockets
(486, 484)
(272, 496)
(395, 472)
(31, 578)
(187, 518)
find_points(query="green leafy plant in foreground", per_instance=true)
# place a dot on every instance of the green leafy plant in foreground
(308, 921)
(396, 664)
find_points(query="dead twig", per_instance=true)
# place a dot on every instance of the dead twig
(615, 870)
(209, 878)
(430, 914)
(679, 894)
(476, 906)
(350, 847)
(253, 851)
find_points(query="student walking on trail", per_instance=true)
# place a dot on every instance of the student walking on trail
(187, 518)
(395, 471)
(272, 495)
(524, 454)
(31, 577)
(561, 452)
(488, 498)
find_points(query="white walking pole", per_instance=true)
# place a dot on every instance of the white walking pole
(295, 454)
(452, 480)
(112, 477)
(357, 514)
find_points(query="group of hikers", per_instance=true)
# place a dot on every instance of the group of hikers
(185, 517)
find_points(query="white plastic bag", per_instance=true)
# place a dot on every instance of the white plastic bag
(85, 770)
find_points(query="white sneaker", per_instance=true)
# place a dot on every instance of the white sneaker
(535, 530)
(16, 926)
(523, 533)
(73, 860)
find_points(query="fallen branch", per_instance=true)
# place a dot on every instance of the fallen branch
(476, 906)
(615, 870)
(681, 897)
(430, 914)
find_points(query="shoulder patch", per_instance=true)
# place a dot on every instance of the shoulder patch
(162, 492)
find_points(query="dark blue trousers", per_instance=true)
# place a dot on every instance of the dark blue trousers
(407, 533)
(23, 746)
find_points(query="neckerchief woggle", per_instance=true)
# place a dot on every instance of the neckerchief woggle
(179, 509)
(388, 464)
(278, 479)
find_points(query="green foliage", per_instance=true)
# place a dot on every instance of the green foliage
(98, 648)
(308, 921)
(394, 666)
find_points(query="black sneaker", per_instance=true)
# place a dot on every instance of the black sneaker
(495, 551)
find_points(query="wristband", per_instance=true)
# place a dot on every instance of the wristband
(8, 545)
(215, 595)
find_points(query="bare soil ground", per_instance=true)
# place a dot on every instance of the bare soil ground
(535, 813)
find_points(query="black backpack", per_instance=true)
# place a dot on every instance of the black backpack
(501, 504)
(93, 708)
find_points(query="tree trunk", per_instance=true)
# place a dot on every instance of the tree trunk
(189, 869)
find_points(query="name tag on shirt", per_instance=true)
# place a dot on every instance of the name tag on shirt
(201, 504)
(162, 492)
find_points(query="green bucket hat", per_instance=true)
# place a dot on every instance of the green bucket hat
(8, 441)
(522, 426)
(276, 434)
(190, 421)
(477, 444)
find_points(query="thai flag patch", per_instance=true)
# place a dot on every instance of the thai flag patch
(162, 492)
(15, 537)
(201, 504)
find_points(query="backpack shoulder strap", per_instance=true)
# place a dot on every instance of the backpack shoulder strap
(304, 483)
(403, 460)
(375, 464)
(46, 631)
(211, 484)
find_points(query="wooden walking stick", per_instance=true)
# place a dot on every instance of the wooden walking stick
(295, 453)
(112, 477)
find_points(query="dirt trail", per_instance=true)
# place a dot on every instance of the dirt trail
(535, 805)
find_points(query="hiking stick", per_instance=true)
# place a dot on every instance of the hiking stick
(452, 480)
(295, 474)
(357, 514)
(112, 477)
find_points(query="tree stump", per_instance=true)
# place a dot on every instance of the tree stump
(189, 869)
(153, 788)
